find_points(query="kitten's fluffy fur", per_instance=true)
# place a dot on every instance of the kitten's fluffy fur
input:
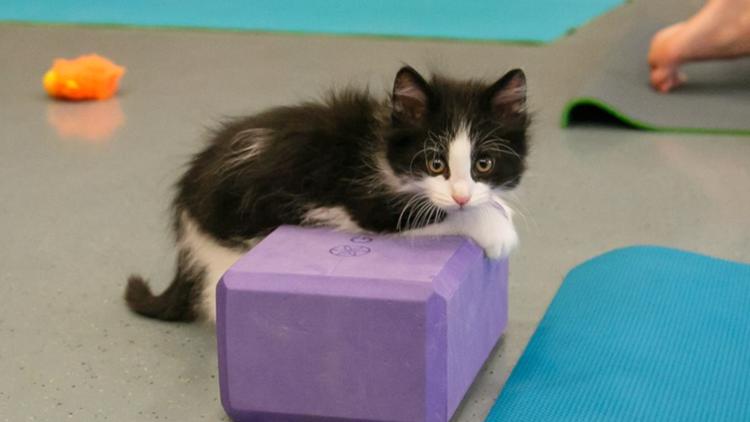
(434, 158)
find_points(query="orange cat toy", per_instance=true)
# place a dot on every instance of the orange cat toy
(89, 77)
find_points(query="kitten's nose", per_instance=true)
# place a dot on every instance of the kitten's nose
(461, 200)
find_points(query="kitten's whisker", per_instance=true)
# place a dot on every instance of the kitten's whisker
(511, 200)
(441, 196)
(412, 216)
(416, 206)
(490, 134)
(424, 150)
(429, 209)
(423, 207)
(437, 215)
(426, 216)
(505, 208)
(502, 149)
(510, 197)
(409, 203)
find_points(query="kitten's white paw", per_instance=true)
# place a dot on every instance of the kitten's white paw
(493, 231)
(501, 244)
(490, 228)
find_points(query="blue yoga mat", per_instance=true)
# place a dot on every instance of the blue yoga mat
(639, 334)
(508, 20)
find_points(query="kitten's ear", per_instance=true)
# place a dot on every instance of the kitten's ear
(410, 96)
(507, 96)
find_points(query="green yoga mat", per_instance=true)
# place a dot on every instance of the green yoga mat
(535, 21)
(716, 98)
(639, 334)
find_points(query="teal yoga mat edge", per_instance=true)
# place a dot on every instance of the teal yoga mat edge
(512, 40)
(572, 30)
(189, 28)
(493, 415)
(566, 120)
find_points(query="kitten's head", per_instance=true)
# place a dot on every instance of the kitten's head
(458, 144)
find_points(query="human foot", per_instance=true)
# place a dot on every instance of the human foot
(721, 30)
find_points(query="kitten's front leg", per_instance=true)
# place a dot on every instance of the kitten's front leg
(497, 234)
(490, 227)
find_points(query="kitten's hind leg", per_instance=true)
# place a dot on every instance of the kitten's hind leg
(206, 253)
(178, 302)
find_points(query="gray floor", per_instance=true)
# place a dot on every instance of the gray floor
(77, 216)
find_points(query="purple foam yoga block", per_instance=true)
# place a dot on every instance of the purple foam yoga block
(318, 325)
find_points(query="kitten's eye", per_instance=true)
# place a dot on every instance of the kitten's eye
(436, 165)
(484, 164)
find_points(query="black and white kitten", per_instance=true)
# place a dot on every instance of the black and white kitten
(434, 159)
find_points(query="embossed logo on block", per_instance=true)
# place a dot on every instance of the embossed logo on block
(349, 250)
(361, 239)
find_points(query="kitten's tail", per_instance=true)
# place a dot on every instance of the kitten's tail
(175, 304)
